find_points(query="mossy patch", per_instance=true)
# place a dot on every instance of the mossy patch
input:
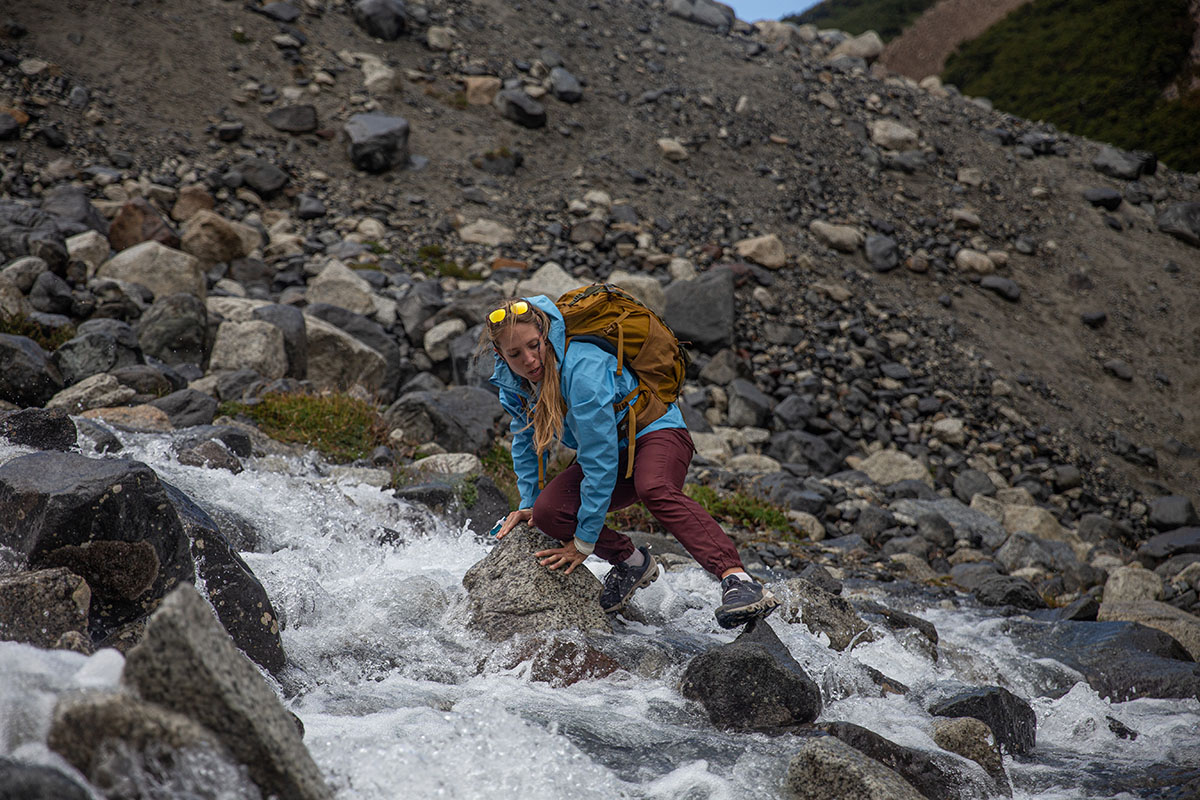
(340, 427)
(48, 338)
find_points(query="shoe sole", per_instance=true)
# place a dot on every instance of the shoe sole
(649, 577)
(740, 616)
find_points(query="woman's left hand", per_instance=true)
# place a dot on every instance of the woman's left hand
(565, 556)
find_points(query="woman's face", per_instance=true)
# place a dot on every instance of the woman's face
(521, 347)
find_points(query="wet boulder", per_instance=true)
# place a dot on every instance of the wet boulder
(462, 419)
(235, 593)
(25, 781)
(827, 768)
(187, 664)
(971, 738)
(823, 613)
(752, 683)
(510, 593)
(931, 773)
(28, 376)
(1011, 719)
(107, 521)
(39, 607)
(43, 429)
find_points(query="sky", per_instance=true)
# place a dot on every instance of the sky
(751, 10)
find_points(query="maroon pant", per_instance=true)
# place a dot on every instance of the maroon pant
(660, 464)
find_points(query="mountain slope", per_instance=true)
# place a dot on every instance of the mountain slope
(923, 47)
(796, 150)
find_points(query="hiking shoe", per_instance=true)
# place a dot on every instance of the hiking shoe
(742, 601)
(621, 582)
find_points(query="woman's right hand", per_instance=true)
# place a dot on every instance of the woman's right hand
(513, 520)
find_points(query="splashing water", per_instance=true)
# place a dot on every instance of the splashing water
(400, 699)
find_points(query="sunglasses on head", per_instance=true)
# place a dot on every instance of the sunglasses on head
(518, 309)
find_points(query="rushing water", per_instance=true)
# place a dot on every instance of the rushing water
(400, 700)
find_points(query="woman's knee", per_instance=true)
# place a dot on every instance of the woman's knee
(654, 493)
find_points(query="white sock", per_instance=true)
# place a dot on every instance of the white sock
(742, 575)
(636, 560)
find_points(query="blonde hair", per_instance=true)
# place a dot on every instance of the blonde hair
(549, 407)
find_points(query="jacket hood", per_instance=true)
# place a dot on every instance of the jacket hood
(502, 375)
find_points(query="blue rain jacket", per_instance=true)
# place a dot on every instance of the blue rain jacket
(590, 385)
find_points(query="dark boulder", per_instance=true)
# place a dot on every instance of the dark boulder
(108, 521)
(462, 419)
(99, 345)
(188, 407)
(28, 376)
(50, 294)
(1103, 197)
(69, 202)
(383, 19)
(26, 231)
(376, 142)
(235, 593)
(753, 683)
(175, 330)
(22, 781)
(565, 86)
(805, 448)
(293, 119)
(1180, 541)
(516, 105)
(266, 179)
(1008, 590)
(290, 320)
(700, 311)
(1172, 511)
(1011, 719)
(44, 429)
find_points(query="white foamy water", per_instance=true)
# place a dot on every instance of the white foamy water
(401, 700)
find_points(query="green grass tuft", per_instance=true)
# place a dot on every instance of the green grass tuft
(735, 508)
(340, 427)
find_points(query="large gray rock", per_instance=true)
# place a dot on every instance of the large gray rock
(187, 664)
(98, 346)
(823, 612)
(700, 311)
(969, 524)
(107, 521)
(753, 683)
(1182, 220)
(370, 333)
(337, 361)
(39, 607)
(50, 294)
(931, 773)
(1124, 165)
(254, 345)
(235, 593)
(175, 330)
(376, 142)
(28, 377)
(84, 722)
(829, 769)
(69, 202)
(511, 593)
(96, 391)
(159, 268)
(289, 320)
(462, 419)
(565, 86)
(266, 179)
(1172, 511)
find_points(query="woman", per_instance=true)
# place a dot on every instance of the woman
(558, 393)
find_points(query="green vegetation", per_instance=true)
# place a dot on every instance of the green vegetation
(886, 17)
(735, 508)
(497, 465)
(1097, 69)
(49, 339)
(340, 427)
(432, 261)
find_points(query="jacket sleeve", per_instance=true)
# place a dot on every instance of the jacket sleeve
(588, 390)
(523, 455)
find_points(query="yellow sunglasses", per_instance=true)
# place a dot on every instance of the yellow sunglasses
(519, 309)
